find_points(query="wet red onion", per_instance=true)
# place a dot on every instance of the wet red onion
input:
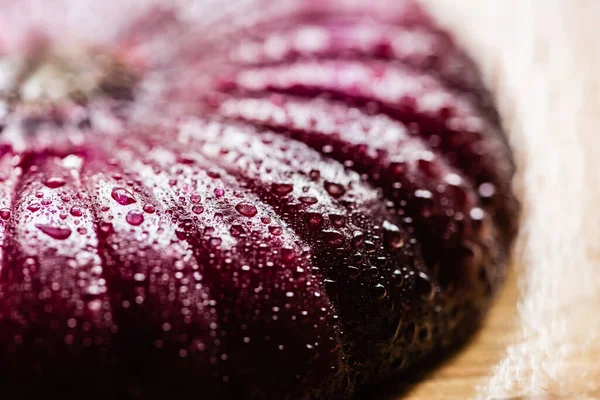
(293, 209)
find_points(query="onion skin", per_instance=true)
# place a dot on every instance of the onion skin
(295, 208)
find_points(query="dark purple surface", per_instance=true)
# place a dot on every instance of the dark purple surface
(322, 205)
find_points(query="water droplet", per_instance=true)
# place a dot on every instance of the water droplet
(5, 214)
(54, 182)
(425, 286)
(197, 209)
(246, 209)
(423, 194)
(213, 173)
(56, 232)
(76, 211)
(69, 339)
(288, 254)
(265, 220)
(358, 239)
(236, 230)
(476, 213)
(397, 169)
(122, 196)
(314, 220)
(453, 179)
(282, 189)
(334, 189)
(353, 271)
(379, 291)
(106, 227)
(219, 192)
(337, 220)
(486, 189)
(374, 271)
(46, 202)
(381, 261)
(308, 200)
(33, 207)
(215, 241)
(327, 149)
(370, 247)
(139, 277)
(149, 208)
(358, 258)
(134, 218)
(95, 305)
(314, 174)
(81, 230)
(195, 198)
(333, 238)
(397, 278)
(275, 230)
(394, 238)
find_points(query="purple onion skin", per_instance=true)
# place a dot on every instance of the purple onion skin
(316, 203)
